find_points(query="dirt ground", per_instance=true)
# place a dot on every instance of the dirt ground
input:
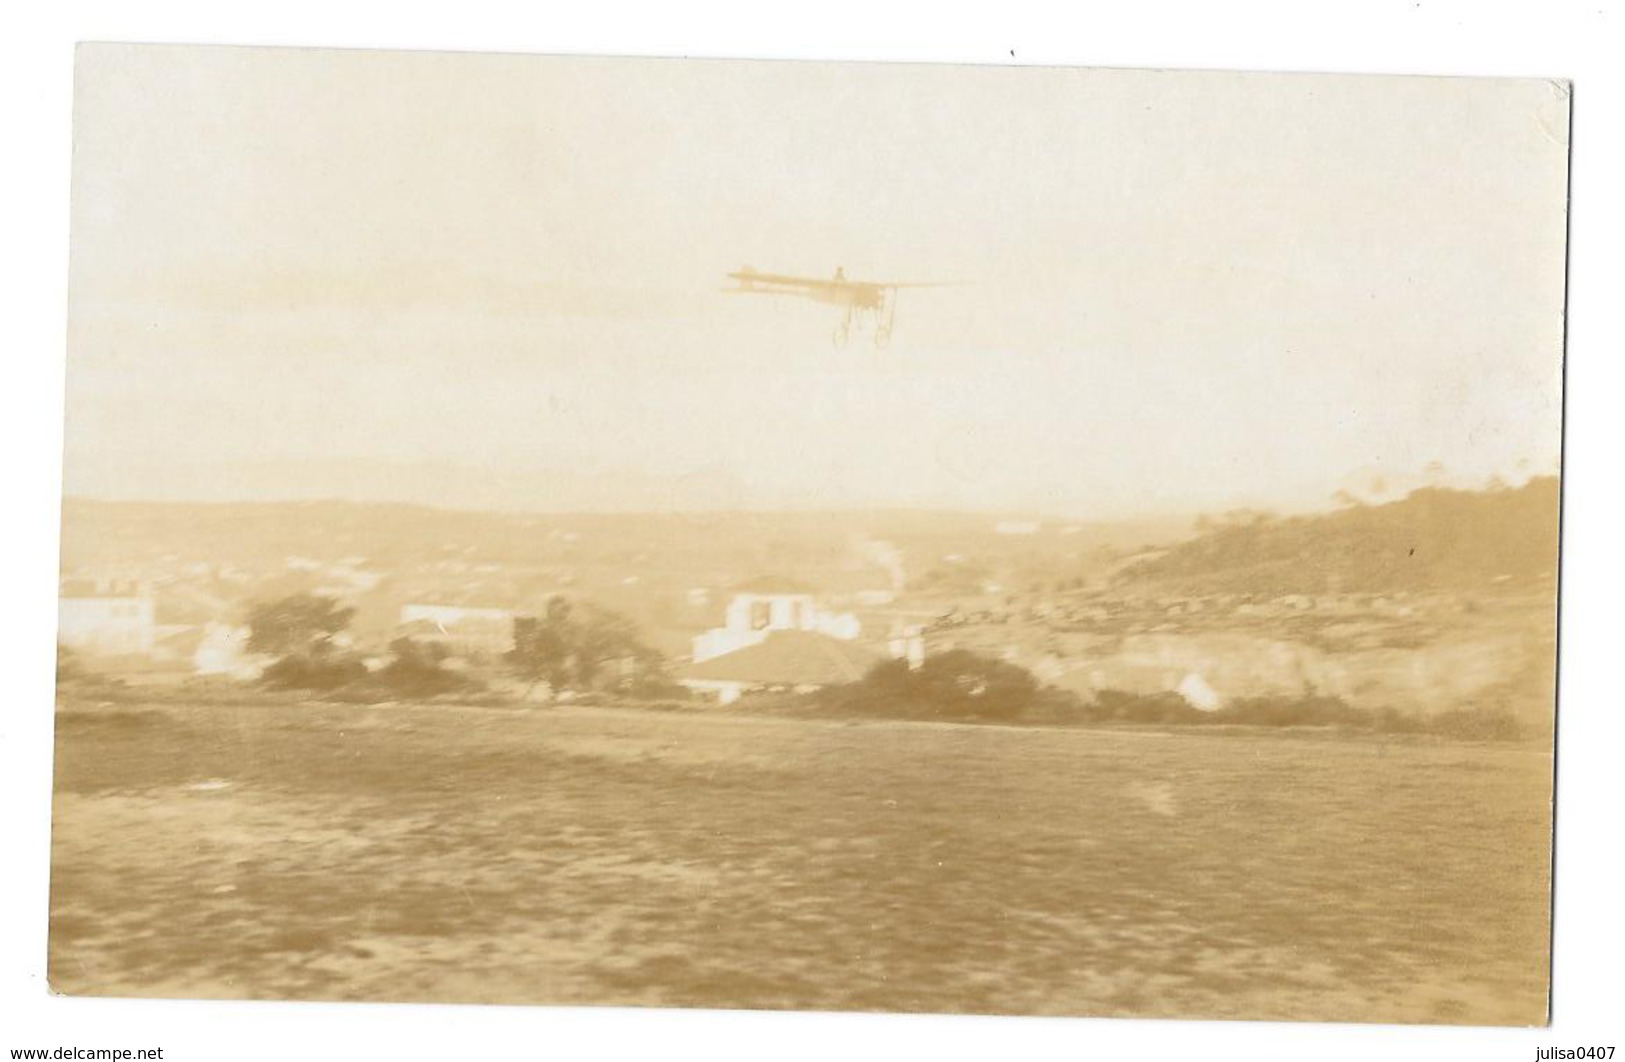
(604, 856)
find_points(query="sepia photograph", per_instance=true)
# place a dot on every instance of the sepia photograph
(809, 536)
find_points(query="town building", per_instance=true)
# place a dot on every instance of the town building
(106, 617)
(799, 661)
(762, 606)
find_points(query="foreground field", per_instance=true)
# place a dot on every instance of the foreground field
(603, 856)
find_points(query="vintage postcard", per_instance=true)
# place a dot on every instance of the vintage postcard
(809, 536)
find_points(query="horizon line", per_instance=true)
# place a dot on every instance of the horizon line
(1328, 506)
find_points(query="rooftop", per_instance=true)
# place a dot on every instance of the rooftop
(789, 658)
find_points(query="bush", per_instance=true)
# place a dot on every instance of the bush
(1053, 706)
(303, 630)
(417, 671)
(958, 685)
(1307, 710)
(656, 686)
(1168, 707)
(1390, 720)
(1310, 709)
(1123, 707)
(309, 672)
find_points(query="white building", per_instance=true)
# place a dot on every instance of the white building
(765, 606)
(106, 617)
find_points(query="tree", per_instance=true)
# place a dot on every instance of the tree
(603, 638)
(301, 631)
(958, 684)
(301, 671)
(298, 625)
(963, 684)
(541, 645)
(584, 647)
(417, 670)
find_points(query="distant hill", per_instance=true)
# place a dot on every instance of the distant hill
(1434, 539)
(133, 538)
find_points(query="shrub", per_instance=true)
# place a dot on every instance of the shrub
(417, 671)
(1307, 710)
(957, 685)
(309, 672)
(1124, 707)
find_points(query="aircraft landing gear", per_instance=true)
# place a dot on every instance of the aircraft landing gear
(878, 319)
(885, 317)
(843, 331)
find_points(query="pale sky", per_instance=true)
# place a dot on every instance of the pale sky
(495, 281)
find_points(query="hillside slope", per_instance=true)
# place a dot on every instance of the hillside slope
(1434, 540)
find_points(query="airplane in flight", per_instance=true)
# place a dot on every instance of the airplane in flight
(863, 303)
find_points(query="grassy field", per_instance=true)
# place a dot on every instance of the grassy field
(607, 856)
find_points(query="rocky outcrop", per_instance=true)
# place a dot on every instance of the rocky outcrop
(1479, 669)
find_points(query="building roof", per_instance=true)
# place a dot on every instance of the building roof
(789, 658)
